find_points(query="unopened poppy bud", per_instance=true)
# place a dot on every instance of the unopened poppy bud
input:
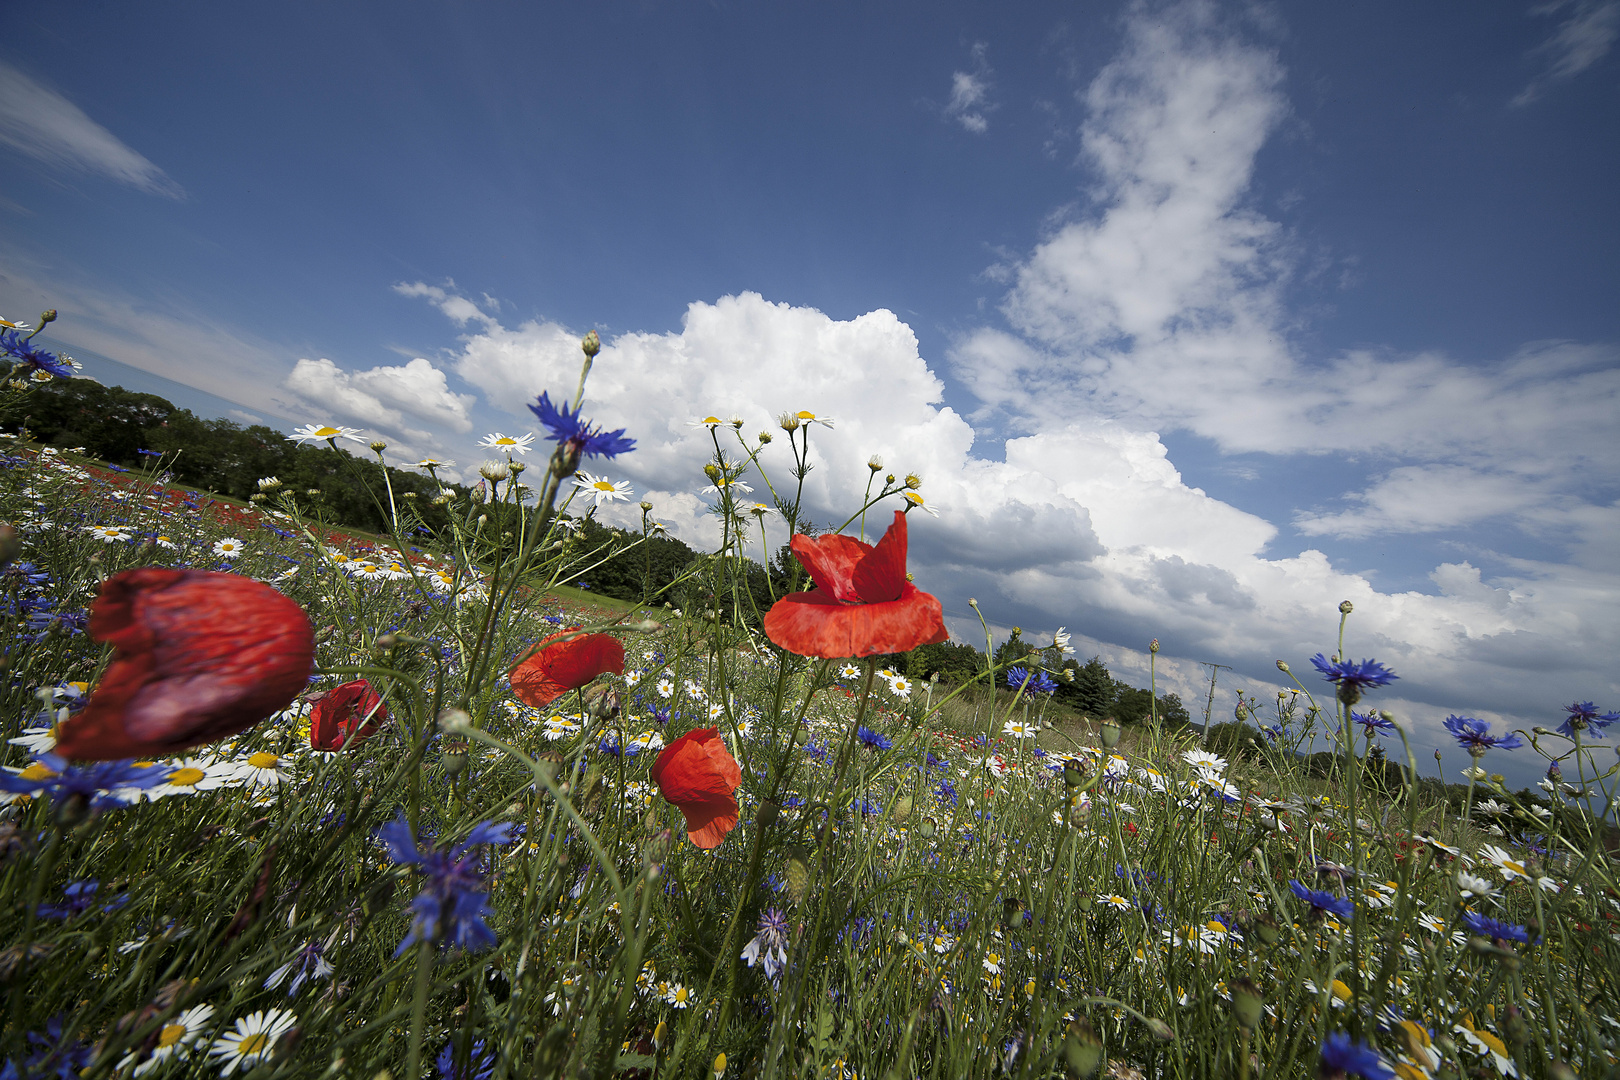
(1267, 930)
(1346, 607)
(1012, 910)
(1110, 733)
(386, 642)
(768, 813)
(1073, 775)
(454, 758)
(1559, 1070)
(1248, 1003)
(1082, 1049)
(660, 1035)
(590, 344)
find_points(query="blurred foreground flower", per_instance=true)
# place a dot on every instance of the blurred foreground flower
(698, 775)
(353, 709)
(558, 666)
(1342, 1057)
(200, 656)
(451, 907)
(862, 605)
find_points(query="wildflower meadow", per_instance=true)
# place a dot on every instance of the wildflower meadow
(282, 799)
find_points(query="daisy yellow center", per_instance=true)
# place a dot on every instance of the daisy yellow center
(37, 771)
(804, 414)
(171, 1034)
(264, 760)
(1509, 864)
(185, 777)
(253, 1044)
(1341, 991)
(603, 485)
(505, 441)
(712, 420)
(327, 432)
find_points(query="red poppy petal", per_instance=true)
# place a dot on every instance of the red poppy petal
(201, 655)
(831, 561)
(809, 624)
(880, 575)
(555, 667)
(710, 831)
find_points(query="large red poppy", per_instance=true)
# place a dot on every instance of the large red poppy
(353, 710)
(698, 774)
(862, 604)
(556, 667)
(200, 656)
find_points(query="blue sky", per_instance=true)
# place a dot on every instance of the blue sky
(1196, 318)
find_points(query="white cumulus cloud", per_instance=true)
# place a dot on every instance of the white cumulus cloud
(384, 397)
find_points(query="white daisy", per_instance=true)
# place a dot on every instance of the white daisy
(367, 571)
(916, 500)
(1115, 901)
(324, 432)
(710, 422)
(228, 548)
(601, 488)
(849, 671)
(901, 686)
(262, 769)
(666, 688)
(1203, 759)
(191, 775)
(725, 484)
(1017, 729)
(164, 542)
(631, 678)
(1511, 868)
(1475, 886)
(508, 443)
(107, 534)
(252, 1039)
(174, 1038)
(805, 416)
(432, 463)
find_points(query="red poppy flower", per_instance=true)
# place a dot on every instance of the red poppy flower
(556, 667)
(353, 710)
(862, 604)
(200, 656)
(698, 774)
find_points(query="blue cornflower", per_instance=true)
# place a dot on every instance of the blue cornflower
(451, 907)
(1475, 735)
(817, 750)
(1343, 1057)
(480, 1063)
(54, 1055)
(1372, 724)
(1323, 902)
(947, 792)
(575, 435)
(769, 945)
(1487, 927)
(871, 739)
(150, 453)
(77, 898)
(16, 346)
(1039, 683)
(936, 762)
(1353, 677)
(100, 784)
(308, 964)
(1583, 716)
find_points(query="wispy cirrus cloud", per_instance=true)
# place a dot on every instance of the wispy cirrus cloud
(1583, 38)
(39, 122)
(970, 93)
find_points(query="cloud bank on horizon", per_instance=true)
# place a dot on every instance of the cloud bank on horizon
(1158, 305)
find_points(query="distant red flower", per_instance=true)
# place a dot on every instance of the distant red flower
(555, 667)
(698, 774)
(353, 710)
(200, 656)
(862, 604)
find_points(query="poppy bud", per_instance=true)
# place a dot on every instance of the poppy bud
(199, 656)
(1110, 733)
(353, 711)
(1248, 1003)
(768, 813)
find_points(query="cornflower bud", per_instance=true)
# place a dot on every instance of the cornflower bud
(1346, 607)
(590, 344)
(47, 316)
(1282, 666)
(1153, 646)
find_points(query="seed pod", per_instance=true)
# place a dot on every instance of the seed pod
(1082, 1049)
